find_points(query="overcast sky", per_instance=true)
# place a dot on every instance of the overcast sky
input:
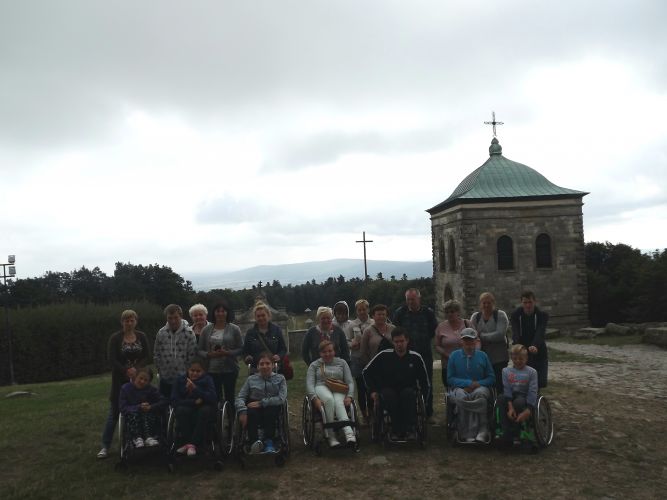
(218, 135)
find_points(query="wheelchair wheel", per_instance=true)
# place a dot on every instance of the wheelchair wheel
(285, 427)
(226, 429)
(171, 431)
(353, 415)
(123, 440)
(422, 425)
(307, 422)
(375, 414)
(544, 425)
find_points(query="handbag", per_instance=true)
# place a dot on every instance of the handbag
(333, 384)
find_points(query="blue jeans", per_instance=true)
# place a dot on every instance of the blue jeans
(110, 426)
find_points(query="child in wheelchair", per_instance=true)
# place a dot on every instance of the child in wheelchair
(259, 404)
(194, 400)
(141, 404)
(519, 398)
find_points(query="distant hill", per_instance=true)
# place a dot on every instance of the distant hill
(302, 272)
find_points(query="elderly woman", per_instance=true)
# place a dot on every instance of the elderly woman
(259, 401)
(324, 330)
(221, 344)
(127, 350)
(491, 325)
(376, 336)
(330, 367)
(448, 334)
(263, 336)
(198, 314)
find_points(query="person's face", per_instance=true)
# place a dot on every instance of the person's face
(452, 315)
(327, 354)
(198, 317)
(519, 360)
(220, 314)
(129, 323)
(141, 381)
(261, 317)
(468, 345)
(195, 371)
(528, 305)
(341, 315)
(265, 366)
(400, 344)
(362, 312)
(380, 317)
(486, 306)
(412, 300)
(325, 322)
(174, 321)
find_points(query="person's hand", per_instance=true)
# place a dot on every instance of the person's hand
(511, 414)
(131, 372)
(523, 416)
(475, 385)
(243, 418)
(248, 360)
(189, 385)
(145, 407)
(223, 352)
(276, 358)
(532, 349)
(374, 396)
(317, 403)
(255, 404)
(199, 401)
(355, 345)
(347, 401)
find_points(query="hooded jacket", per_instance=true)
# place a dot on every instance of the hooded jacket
(174, 351)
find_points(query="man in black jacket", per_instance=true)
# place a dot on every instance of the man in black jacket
(529, 327)
(395, 374)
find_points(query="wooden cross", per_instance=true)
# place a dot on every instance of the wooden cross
(364, 241)
(493, 122)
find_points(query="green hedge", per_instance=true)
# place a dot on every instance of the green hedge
(64, 341)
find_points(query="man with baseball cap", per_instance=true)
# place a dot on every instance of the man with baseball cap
(470, 378)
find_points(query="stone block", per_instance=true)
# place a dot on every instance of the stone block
(588, 333)
(617, 330)
(656, 336)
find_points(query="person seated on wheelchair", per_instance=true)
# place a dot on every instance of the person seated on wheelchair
(329, 384)
(470, 377)
(519, 393)
(393, 377)
(194, 400)
(141, 404)
(259, 402)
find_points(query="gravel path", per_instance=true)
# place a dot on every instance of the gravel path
(641, 371)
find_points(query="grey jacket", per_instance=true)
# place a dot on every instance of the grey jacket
(338, 369)
(174, 351)
(493, 335)
(271, 391)
(231, 340)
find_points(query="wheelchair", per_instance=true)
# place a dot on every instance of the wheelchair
(127, 448)
(381, 423)
(314, 424)
(240, 446)
(451, 424)
(537, 432)
(218, 441)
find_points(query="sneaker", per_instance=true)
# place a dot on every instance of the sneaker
(333, 442)
(192, 450)
(350, 438)
(256, 447)
(103, 453)
(268, 446)
(183, 449)
(482, 437)
(470, 440)
(138, 443)
(151, 441)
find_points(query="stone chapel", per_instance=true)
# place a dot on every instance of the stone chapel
(507, 228)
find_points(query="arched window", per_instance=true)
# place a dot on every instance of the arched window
(452, 255)
(505, 253)
(441, 256)
(449, 293)
(543, 250)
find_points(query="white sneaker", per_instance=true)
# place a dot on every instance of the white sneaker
(183, 449)
(482, 437)
(192, 450)
(333, 442)
(256, 447)
(350, 439)
(151, 441)
(138, 443)
(103, 453)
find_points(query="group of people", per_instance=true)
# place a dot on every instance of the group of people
(378, 358)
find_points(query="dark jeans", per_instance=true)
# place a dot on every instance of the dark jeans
(540, 362)
(142, 424)
(110, 425)
(165, 389)
(226, 381)
(192, 422)
(401, 408)
(362, 395)
(264, 417)
(511, 429)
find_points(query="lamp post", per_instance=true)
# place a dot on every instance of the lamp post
(9, 271)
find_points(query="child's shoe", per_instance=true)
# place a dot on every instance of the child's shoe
(183, 449)
(192, 450)
(138, 443)
(103, 453)
(151, 441)
(256, 447)
(268, 446)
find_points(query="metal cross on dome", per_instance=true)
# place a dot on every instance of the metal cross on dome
(493, 122)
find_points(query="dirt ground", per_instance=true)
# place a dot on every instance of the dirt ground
(610, 443)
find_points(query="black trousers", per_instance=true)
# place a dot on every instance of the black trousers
(401, 407)
(266, 418)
